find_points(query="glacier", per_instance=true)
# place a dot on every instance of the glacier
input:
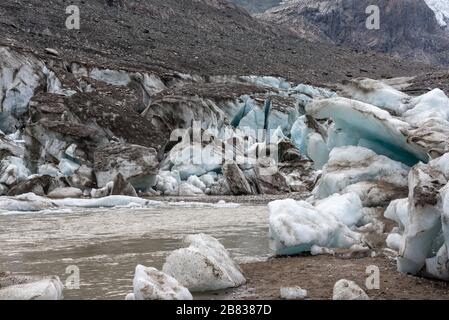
(350, 151)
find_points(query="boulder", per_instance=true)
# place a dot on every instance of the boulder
(62, 193)
(299, 175)
(174, 112)
(293, 293)
(236, 180)
(204, 266)
(220, 187)
(348, 290)
(269, 179)
(288, 152)
(151, 284)
(39, 185)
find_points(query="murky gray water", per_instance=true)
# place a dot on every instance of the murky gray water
(107, 244)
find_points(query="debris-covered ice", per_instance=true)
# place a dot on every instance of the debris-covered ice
(350, 165)
(364, 146)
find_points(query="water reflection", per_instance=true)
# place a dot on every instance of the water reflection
(107, 244)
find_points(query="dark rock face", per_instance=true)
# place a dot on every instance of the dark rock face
(116, 3)
(287, 152)
(236, 179)
(40, 185)
(272, 184)
(408, 28)
(255, 6)
(53, 128)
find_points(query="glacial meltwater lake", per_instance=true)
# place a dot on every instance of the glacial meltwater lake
(107, 244)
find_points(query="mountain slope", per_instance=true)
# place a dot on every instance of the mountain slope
(207, 37)
(441, 10)
(408, 28)
(256, 6)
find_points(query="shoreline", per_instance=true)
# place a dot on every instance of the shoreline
(318, 274)
(261, 199)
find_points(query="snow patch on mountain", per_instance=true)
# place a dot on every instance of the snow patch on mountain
(441, 9)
